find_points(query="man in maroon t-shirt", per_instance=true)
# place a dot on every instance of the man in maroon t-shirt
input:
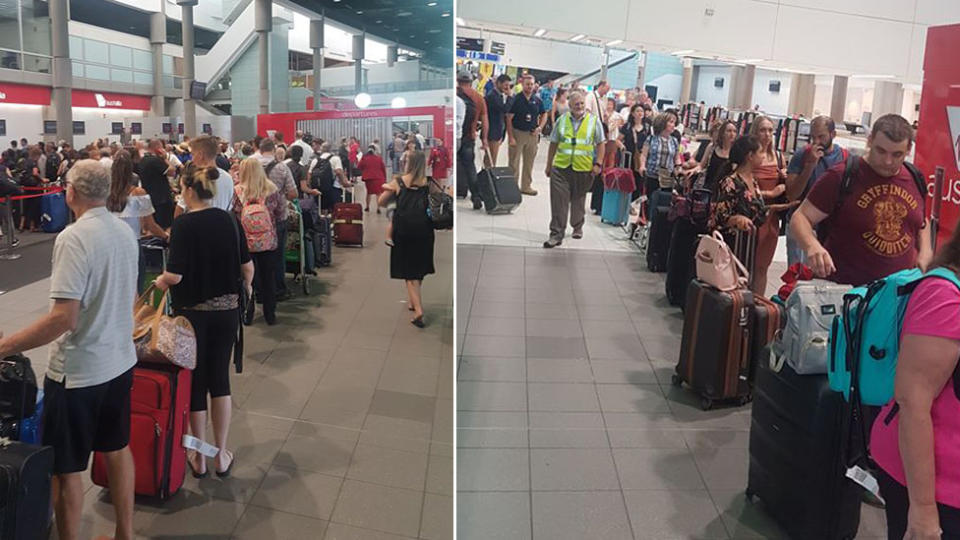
(879, 226)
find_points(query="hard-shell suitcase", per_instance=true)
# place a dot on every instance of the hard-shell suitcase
(26, 471)
(53, 212)
(322, 241)
(715, 357)
(768, 319)
(348, 224)
(498, 189)
(681, 266)
(797, 437)
(159, 405)
(658, 243)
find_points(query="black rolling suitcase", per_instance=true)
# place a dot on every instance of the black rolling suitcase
(498, 188)
(797, 437)
(715, 356)
(18, 394)
(322, 240)
(25, 476)
(681, 264)
(658, 243)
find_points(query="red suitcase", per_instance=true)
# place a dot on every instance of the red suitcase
(159, 405)
(348, 224)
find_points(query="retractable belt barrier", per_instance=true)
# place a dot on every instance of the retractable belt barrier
(43, 191)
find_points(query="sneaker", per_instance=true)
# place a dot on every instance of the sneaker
(477, 205)
(531, 192)
(549, 244)
(577, 235)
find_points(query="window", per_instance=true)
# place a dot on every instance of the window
(97, 72)
(8, 20)
(35, 25)
(121, 75)
(142, 78)
(142, 60)
(121, 56)
(96, 51)
(37, 64)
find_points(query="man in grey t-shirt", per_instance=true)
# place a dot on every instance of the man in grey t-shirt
(90, 374)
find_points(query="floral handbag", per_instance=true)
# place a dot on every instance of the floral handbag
(160, 338)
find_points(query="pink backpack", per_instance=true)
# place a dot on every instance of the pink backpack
(257, 225)
(718, 266)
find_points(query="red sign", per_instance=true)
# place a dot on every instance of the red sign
(24, 94)
(939, 133)
(104, 100)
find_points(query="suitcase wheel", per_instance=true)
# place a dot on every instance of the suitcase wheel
(745, 399)
(749, 495)
(706, 403)
(676, 380)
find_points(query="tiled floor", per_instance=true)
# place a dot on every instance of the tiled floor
(567, 424)
(343, 416)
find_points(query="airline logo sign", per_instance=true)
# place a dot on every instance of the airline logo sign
(24, 94)
(104, 102)
(953, 116)
(99, 100)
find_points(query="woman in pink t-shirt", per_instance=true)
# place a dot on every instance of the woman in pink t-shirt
(916, 438)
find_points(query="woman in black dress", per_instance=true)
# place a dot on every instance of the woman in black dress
(411, 257)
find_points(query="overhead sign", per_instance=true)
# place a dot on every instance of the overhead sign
(497, 47)
(104, 100)
(23, 94)
(478, 55)
(470, 44)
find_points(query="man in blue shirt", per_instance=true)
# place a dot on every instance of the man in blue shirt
(806, 166)
(499, 102)
(547, 93)
(525, 121)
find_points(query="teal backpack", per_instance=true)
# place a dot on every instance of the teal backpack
(865, 337)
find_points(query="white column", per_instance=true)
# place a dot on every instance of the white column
(263, 24)
(803, 90)
(887, 98)
(317, 44)
(62, 69)
(189, 105)
(838, 103)
(686, 86)
(358, 53)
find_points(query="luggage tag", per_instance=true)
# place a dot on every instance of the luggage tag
(865, 480)
(203, 447)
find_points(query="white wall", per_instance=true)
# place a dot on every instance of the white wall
(97, 123)
(770, 102)
(22, 121)
(338, 41)
(668, 87)
(706, 91)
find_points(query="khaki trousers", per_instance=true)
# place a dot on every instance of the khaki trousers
(568, 193)
(525, 148)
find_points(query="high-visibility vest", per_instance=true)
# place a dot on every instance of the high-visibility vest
(575, 148)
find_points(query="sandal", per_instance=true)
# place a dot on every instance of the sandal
(193, 471)
(226, 472)
(418, 322)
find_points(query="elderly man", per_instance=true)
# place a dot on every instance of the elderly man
(576, 145)
(90, 374)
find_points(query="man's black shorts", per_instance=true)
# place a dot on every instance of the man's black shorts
(77, 421)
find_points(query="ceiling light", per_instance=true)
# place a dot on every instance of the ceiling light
(379, 21)
(360, 12)
(685, 51)
(431, 4)
(362, 100)
(614, 42)
(461, 22)
(540, 32)
(445, 15)
(872, 76)
(578, 37)
(398, 103)
(749, 60)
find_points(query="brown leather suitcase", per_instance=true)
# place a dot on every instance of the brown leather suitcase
(715, 352)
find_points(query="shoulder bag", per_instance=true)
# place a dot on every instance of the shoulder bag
(160, 338)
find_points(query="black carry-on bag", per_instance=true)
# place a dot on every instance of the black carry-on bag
(26, 471)
(498, 188)
(658, 241)
(798, 434)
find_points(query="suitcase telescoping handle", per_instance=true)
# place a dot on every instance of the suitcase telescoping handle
(627, 162)
(487, 160)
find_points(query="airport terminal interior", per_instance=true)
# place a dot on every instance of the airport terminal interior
(574, 419)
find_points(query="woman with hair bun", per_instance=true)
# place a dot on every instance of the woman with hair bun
(207, 263)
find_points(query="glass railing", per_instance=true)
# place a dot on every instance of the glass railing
(380, 88)
(11, 59)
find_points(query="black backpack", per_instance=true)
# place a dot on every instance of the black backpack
(53, 163)
(321, 177)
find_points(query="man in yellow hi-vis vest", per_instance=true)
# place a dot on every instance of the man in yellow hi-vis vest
(572, 163)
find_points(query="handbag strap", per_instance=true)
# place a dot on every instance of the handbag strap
(238, 344)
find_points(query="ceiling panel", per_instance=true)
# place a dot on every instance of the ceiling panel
(936, 12)
(899, 10)
(593, 19)
(413, 23)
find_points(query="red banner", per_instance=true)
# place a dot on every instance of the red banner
(23, 94)
(104, 100)
(938, 139)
